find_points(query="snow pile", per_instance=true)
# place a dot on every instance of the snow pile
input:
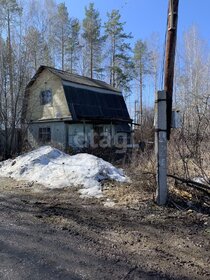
(55, 169)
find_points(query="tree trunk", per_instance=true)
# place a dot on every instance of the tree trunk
(10, 63)
(141, 97)
(9, 142)
(91, 59)
(71, 62)
(113, 64)
(62, 50)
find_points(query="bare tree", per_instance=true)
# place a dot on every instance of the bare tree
(193, 99)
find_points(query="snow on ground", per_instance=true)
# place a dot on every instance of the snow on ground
(55, 169)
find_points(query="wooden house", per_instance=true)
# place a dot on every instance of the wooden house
(69, 110)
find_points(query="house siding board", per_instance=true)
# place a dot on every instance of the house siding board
(58, 133)
(85, 132)
(57, 109)
(79, 132)
(122, 128)
(78, 135)
(87, 104)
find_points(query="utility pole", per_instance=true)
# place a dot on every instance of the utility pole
(170, 58)
(163, 109)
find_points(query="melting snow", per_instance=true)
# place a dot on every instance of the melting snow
(55, 169)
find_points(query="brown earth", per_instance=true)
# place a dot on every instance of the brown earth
(133, 239)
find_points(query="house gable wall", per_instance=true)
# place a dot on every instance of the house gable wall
(57, 109)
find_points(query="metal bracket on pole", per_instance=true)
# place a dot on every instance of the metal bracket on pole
(161, 147)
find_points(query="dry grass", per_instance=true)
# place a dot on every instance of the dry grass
(142, 170)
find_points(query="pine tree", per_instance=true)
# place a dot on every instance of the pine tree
(33, 44)
(62, 33)
(73, 47)
(92, 39)
(120, 65)
(142, 64)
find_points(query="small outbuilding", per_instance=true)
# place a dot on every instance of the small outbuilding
(70, 110)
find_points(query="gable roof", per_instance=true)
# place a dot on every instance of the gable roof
(88, 103)
(73, 78)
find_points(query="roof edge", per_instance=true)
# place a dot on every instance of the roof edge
(52, 70)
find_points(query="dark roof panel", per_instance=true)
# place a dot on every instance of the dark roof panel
(87, 104)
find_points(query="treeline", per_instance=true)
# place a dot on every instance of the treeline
(41, 32)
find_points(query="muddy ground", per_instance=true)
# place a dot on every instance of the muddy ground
(55, 234)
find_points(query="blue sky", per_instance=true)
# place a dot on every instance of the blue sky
(144, 17)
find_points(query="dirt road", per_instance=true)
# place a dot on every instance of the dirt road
(57, 235)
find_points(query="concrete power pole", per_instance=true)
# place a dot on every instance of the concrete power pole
(161, 147)
(163, 111)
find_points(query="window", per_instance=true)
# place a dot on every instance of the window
(44, 134)
(46, 97)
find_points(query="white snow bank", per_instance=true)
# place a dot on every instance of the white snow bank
(55, 169)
